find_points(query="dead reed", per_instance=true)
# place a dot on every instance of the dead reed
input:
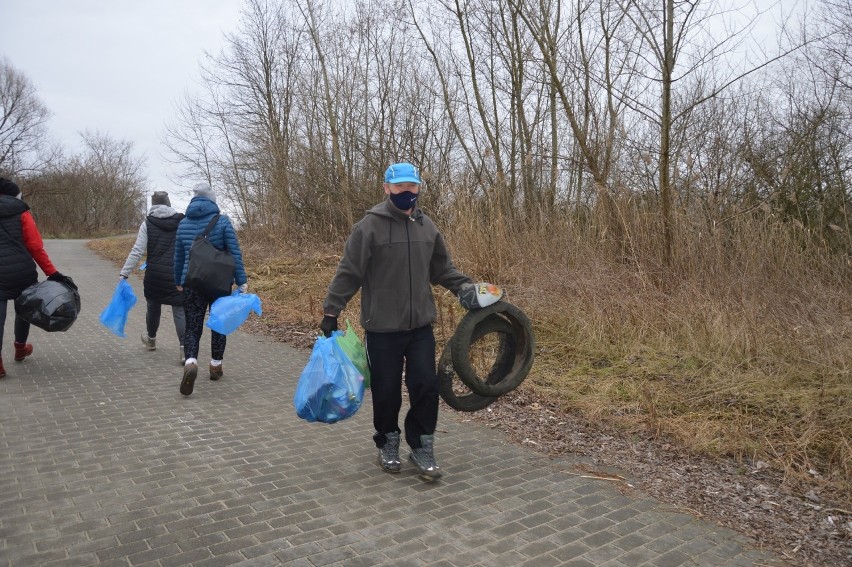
(741, 346)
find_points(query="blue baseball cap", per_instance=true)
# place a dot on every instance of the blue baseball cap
(402, 173)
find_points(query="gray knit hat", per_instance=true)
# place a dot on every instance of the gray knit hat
(160, 198)
(203, 189)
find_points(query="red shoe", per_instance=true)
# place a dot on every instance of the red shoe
(22, 350)
(2, 370)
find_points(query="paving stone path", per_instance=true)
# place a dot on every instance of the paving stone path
(103, 462)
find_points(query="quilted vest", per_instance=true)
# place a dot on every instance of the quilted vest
(159, 280)
(17, 267)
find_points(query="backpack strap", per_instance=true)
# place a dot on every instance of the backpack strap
(210, 225)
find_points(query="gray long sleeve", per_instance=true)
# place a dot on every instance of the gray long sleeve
(140, 247)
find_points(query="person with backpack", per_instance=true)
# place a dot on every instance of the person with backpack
(156, 240)
(394, 255)
(21, 248)
(199, 214)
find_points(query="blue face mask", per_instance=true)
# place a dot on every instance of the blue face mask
(403, 201)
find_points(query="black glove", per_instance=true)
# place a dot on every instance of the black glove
(328, 325)
(63, 279)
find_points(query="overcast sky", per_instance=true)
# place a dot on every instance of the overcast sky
(114, 66)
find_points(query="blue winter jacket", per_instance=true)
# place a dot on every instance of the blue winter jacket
(222, 236)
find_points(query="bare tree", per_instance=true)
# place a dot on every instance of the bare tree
(238, 132)
(800, 155)
(22, 121)
(702, 47)
(98, 191)
(834, 49)
(591, 66)
(303, 97)
(312, 12)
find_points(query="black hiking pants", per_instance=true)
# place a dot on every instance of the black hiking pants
(388, 354)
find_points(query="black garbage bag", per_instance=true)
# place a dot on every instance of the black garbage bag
(49, 305)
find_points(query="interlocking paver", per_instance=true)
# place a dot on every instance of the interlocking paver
(103, 461)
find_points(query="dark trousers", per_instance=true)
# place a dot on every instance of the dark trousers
(195, 306)
(152, 319)
(387, 355)
(22, 327)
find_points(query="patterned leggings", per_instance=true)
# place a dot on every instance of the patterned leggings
(196, 305)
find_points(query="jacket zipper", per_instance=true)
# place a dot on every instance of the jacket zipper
(410, 288)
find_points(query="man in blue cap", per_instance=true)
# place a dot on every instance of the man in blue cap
(394, 255)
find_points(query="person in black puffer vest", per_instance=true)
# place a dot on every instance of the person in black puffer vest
(21, 248)
(156, 239)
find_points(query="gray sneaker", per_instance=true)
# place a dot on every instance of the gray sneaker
(424, 458)
(150, 343)
(389, 453)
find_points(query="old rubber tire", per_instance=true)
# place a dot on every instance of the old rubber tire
(472, 401)
(522, 360)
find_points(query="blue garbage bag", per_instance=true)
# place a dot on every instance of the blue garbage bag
(114, 317)
(330, 388)
(230, 311)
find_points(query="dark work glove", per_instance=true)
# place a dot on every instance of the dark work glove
(63, 279)
(328, 325)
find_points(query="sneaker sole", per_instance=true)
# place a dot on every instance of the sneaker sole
(425, 475)
(391, 470)
(188, 381)
(428, 477)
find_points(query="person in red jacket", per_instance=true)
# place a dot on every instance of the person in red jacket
(21, 248)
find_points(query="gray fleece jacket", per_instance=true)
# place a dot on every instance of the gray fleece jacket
(394, 259)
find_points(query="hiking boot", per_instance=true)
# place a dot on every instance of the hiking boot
(190, 371)
(182, 355)
(150, 344)
(22, 350)
(215, 372)
(389, 453)
(2, 370)
(424, 458)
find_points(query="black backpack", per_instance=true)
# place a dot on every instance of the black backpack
(210, 271)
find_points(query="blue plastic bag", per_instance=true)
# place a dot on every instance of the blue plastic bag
(330, 388)
(229, 312)
(114, 317)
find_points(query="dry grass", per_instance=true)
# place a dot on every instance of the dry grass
(742, 348)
